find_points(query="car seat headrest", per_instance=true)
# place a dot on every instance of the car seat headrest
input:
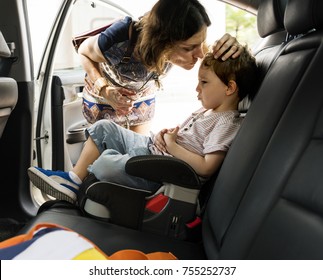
(303, 16)
(270, 17)
(4, 49)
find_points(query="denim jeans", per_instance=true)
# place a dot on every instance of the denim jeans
(116, 146)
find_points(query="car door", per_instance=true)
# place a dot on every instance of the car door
(60, 124)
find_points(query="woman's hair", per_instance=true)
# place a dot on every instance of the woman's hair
(243, 70)
(168, 22)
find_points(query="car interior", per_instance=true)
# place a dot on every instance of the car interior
(9, 90)
(265, 202)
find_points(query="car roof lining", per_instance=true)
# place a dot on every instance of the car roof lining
(250, 6)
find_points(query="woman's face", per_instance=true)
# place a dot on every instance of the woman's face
(186, 53)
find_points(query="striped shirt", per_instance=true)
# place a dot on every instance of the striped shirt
(206, 131)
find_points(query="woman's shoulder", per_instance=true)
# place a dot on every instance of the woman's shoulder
(115, 33)
(126, 21)
(119, 30)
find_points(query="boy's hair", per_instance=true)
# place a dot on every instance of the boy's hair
(243, 70)
(168, 23)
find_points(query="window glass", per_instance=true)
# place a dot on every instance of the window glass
(241, 25)
(85, 15)
(39, 33)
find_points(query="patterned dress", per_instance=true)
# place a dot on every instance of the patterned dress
(130, 74)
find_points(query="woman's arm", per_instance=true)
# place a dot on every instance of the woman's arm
(203, 166)
(90, 57)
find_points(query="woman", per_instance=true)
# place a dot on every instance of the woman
(163, 37)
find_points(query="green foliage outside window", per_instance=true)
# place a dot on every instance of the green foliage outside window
(242, 25)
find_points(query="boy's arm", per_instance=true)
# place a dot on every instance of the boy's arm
(204, 166)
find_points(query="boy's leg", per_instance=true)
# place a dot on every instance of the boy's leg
(110, 167)
(60, 184)
(88, 155)
(103, 135)
(108, 135)
(116, 145)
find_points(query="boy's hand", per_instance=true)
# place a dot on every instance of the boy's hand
(170, 137)
(159, 141)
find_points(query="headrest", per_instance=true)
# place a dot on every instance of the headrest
(270, 17)
(4, 49)
(302, 16)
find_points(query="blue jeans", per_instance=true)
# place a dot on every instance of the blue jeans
(116, 146)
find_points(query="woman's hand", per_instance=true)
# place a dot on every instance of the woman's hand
(228, 44)
(120, 99)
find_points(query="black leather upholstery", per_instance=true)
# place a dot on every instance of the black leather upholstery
(270, 17)
(302, 16)
(267, 199)
(111, 238)
(267, 202)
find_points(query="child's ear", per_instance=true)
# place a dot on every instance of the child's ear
(232, 87)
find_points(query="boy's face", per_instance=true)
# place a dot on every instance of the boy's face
(211, 90)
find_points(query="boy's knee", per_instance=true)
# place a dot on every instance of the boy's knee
(109, 166)
(103, 127)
